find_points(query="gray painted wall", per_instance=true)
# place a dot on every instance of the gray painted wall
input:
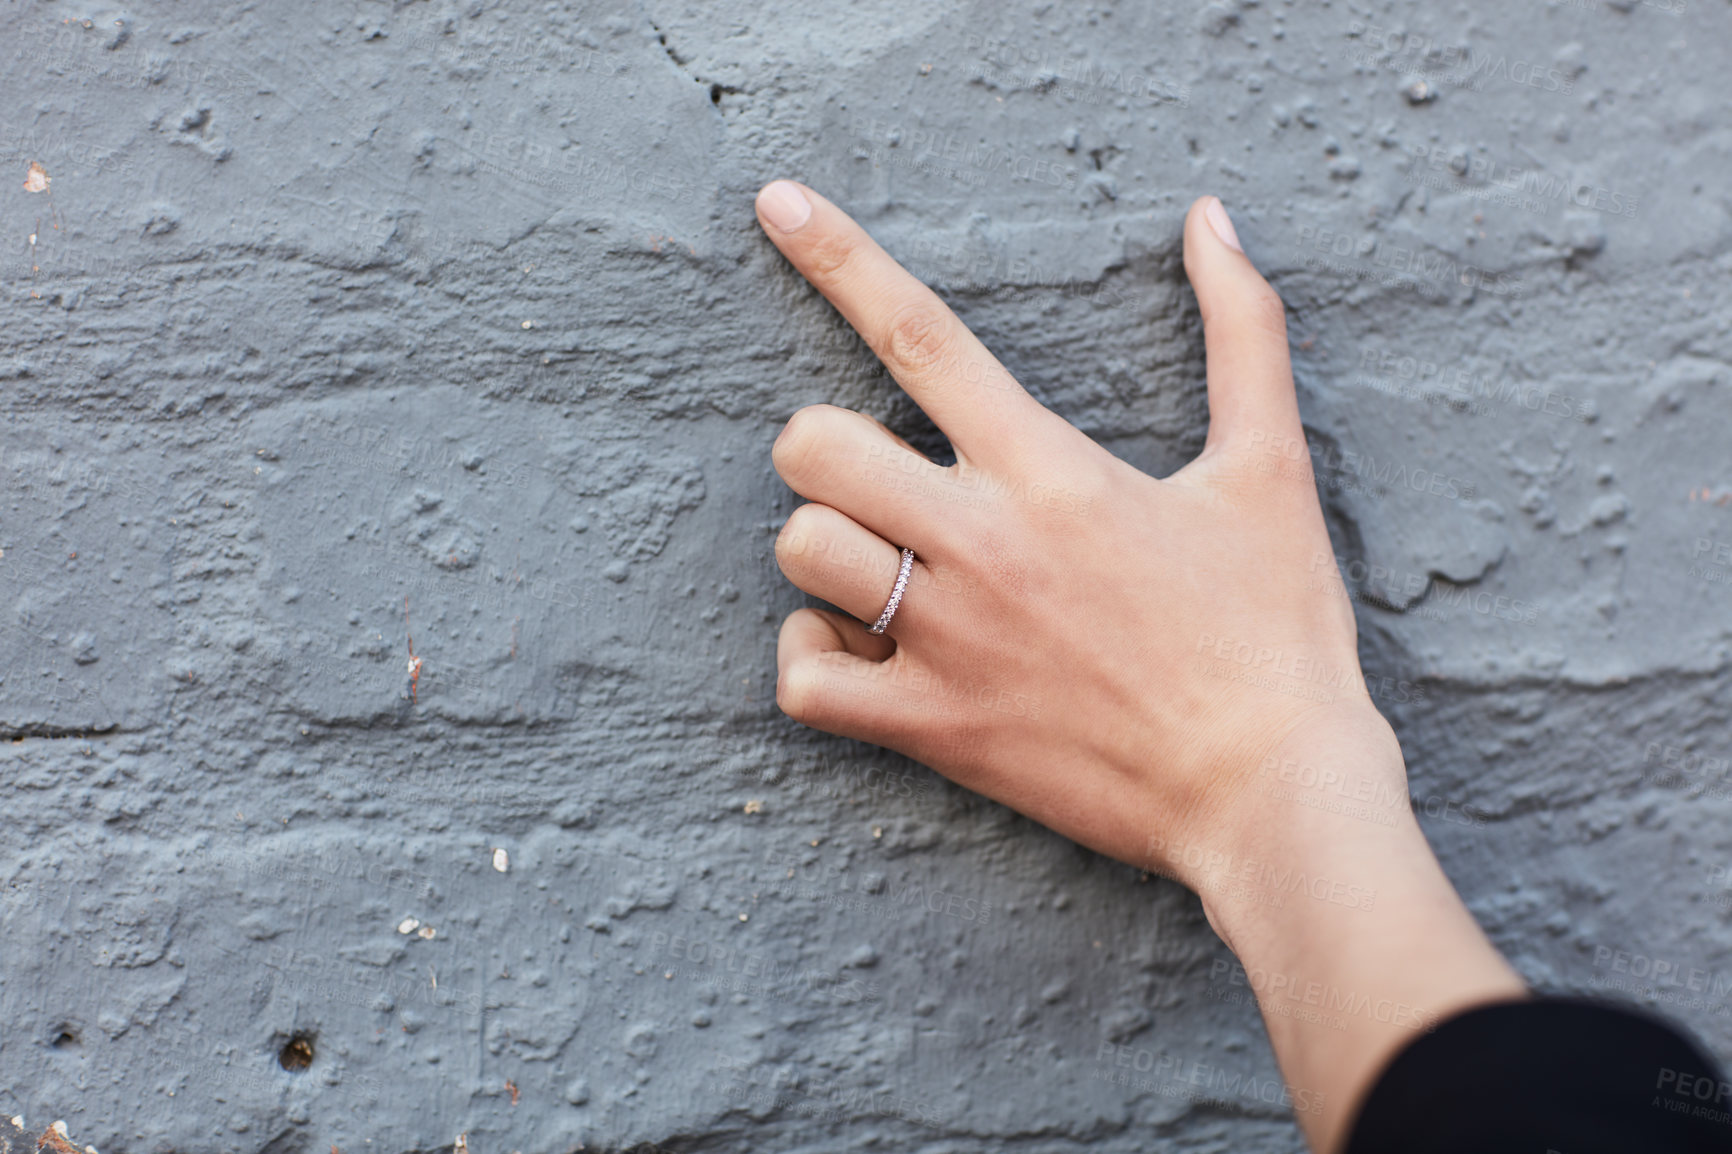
(341, 328)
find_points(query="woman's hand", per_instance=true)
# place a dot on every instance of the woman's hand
(1114, 655)
(1164, 670)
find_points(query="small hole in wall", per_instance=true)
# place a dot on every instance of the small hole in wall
(715, 94)
(65, 1036)
(297, 1053)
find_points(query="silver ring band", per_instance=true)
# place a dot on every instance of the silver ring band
(883, 621)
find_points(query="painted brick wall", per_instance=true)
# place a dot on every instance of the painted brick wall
(388, 392)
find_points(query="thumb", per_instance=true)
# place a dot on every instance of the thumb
(1251, 396)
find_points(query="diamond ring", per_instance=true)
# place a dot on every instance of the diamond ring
(901, 586)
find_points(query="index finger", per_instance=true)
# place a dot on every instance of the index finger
(970, 396)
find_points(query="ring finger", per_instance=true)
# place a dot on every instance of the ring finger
(848, 461)
(829, 555)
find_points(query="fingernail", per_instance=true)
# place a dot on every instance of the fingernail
(1222, 223)
(783, 204)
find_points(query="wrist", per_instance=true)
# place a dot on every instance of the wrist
(1348, 933)
(1310, 820)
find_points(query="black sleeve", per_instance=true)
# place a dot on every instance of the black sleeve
(1558, 1075)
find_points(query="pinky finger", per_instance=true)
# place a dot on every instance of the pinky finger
(808, 631)
(835, 676)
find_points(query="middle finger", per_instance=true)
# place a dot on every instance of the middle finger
(846, 460)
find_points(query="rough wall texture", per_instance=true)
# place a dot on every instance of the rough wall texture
(339, 337)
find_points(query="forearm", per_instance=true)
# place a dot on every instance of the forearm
(1344, 984)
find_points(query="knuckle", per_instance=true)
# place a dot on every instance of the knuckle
(796, 449)
(797, 695)
(1266, 311)
(921, 336)
(787, 697)
(798, 537)
(831, 255)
